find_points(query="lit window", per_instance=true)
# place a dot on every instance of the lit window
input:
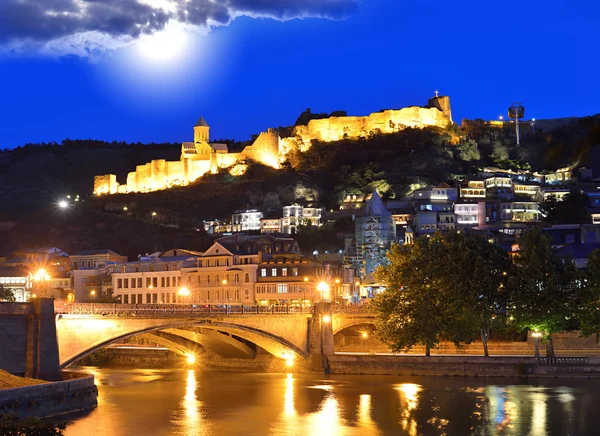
(284, 272)
(274, 272)
(263, 272)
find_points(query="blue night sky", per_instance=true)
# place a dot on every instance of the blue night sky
(88, 73)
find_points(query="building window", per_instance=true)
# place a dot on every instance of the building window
(246, 294)
(162, 282)
(247, 278)
(139, 282)
(294, 271)
(148, 298)
(125, 299)
(133, 283)
(284, 272)
(155, 282)
(168, 282)
(125, 283)
(274, 272)
(148, 282)
(263, 272)
(119, 283)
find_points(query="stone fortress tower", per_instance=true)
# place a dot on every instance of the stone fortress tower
(200, 156)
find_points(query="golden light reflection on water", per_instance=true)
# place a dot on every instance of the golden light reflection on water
(409, 401)
(365, 421)
(327, 421)
(538, 417)
(191, 420)
(289, 409)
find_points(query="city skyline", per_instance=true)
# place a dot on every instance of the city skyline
(245, 71)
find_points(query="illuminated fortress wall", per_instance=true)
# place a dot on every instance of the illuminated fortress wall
(200, 157)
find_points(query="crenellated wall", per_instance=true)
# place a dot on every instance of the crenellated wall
(199, 157)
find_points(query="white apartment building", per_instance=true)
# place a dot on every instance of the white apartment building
(243, 221)
(469, 214)
(295, 215)
(152, 281)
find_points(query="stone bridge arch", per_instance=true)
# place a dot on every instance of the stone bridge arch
(345, 321)
(80, 335)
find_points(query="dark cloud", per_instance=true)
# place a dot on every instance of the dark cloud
(39, 22)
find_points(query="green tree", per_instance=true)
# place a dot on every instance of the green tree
(543, 288)
(468, 151)
(477, 274)
(6, 294)
(411, 311)
(448, 286)
(588, 307)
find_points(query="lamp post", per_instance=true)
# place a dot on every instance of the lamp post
(183, 292)
(41, 277)
(323, 288)
(536, 340)
(305, 286)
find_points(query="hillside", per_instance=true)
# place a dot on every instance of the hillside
(35, 176)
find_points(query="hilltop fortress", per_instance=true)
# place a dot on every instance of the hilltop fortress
(200, 156)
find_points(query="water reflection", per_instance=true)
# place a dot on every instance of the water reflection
(178, 403)
(538, 418)
(190, 419)
(327, 420)
(409, 402)
(365, 421)
(288, 400)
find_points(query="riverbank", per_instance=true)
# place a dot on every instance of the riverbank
(76, 392)
(467, 366)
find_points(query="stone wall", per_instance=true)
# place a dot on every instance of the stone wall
(457, 366)
(29, 345)
(77, 392)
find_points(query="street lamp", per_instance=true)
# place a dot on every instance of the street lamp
(305, 286)
(41, 276)
(92, 294)
(183, 292)
(323, 288)
(536, 338)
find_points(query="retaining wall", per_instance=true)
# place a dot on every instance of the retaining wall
(458, 366)
(76, 392)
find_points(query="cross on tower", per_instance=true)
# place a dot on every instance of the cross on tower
(437, 93)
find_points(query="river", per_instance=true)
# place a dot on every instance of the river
(145, 402)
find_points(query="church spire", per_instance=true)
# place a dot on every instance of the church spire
(201, 122)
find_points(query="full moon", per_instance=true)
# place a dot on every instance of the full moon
(165, 45)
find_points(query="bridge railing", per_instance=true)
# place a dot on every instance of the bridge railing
(110, 309)
(353, 309)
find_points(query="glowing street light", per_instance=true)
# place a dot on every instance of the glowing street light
(92, 293)
(364, 335)
(190, 358)
(63, 204)
(324, 289)
(326, 319)
(183, 292)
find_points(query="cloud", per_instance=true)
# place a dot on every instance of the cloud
(89, 27)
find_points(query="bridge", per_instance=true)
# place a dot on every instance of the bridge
(288, 333)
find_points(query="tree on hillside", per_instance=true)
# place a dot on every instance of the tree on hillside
(448, 286)
(543, 288)
(468, 151)
(6, 294)
(588, 306)
(572, 209)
